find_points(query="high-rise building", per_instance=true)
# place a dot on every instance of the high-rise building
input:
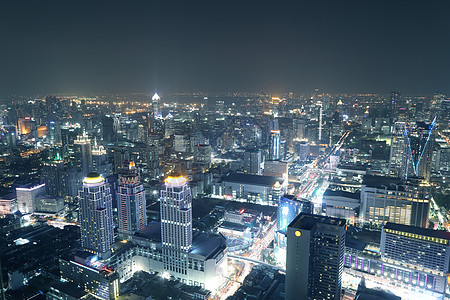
(27, 196)
(176, 223)
(274, 145)
(96, 217)
(108, 133)
(100, 162)
(82, 155)
(252, 162)
(315, 257)
(156, 106)
(388, 199)
(395, 102)
(289, 207)
(131, 202)
(53, 178)
(202, 155)
(397, 150)
(24, 125)
(418, 151)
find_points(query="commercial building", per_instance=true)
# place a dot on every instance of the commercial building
(252, 162)
(258, 189)
(274, 145)
(93, 276)
(27, 196)
(202, 155)
(96, 217)
(8, 204)
(100, 162)
(276, 168)
(289, 207)
(396, 156)
(82, 154)
(415, 247)
(131, 203)
(341, 204)
(388, 199)
(315, 257)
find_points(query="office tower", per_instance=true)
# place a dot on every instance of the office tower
(276, 168)
(108, 133)
(315, 257)
(95, 216)
(289, 207)
(100, 162)
(153, 144)
(202, 156)
(131, 202)
(418, 149)
(395, 103)
(24, 125)
(300, 127)
(397, 150)
(156, 106)
(93, 276)
(320, 121)
(82, 155)
(274, 145)
(52, 176)
(180, 142)
(176, 223)
(252, 162)
(388, 199)
(53, 107)
(27, 196)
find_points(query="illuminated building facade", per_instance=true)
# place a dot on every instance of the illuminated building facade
(252, 162)
(131, 203)
(274, 145)
(289, 208)
(82, 155)
(397, 150)
(176, 223)
(386, 199)
(96, 217)
(315, 257)
(27, 197)
(156, 106)
(91, 275)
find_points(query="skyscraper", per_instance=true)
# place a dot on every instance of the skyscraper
(397, 149)
(100, 162)
(96, 217)
(315, 257)
(395, 102)
(27, 196)
(252, 162)
(82, 154)
(274, 145)
(53, 178)
(418, 149)
(176, 223)
(131, 202)
(155, 105)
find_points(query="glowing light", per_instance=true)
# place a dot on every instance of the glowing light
(132, 165)
(298, 233)
(176, 180)
(93, 178)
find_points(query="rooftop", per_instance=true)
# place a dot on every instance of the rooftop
(441, 234)
(307, 221)
(252, 179)
(382, 182)
(331, 193)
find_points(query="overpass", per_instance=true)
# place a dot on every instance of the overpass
(237, 257)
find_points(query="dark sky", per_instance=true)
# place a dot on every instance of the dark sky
(139, 46)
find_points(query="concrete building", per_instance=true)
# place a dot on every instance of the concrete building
(315, 257)
(340, 204)
(82, 154)
(131, 203)
(93, 276)
(263, 190)
(27, 196)
(8, 204)
(276, 168)
(202, 155)
(252, 162)
(388, 199)
(96, 217)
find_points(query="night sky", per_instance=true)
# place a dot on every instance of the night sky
(214, 46)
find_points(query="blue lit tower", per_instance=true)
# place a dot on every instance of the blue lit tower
(131, 202)
(418, 149)
(289, 207)
(176, 223)
(96, 217)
